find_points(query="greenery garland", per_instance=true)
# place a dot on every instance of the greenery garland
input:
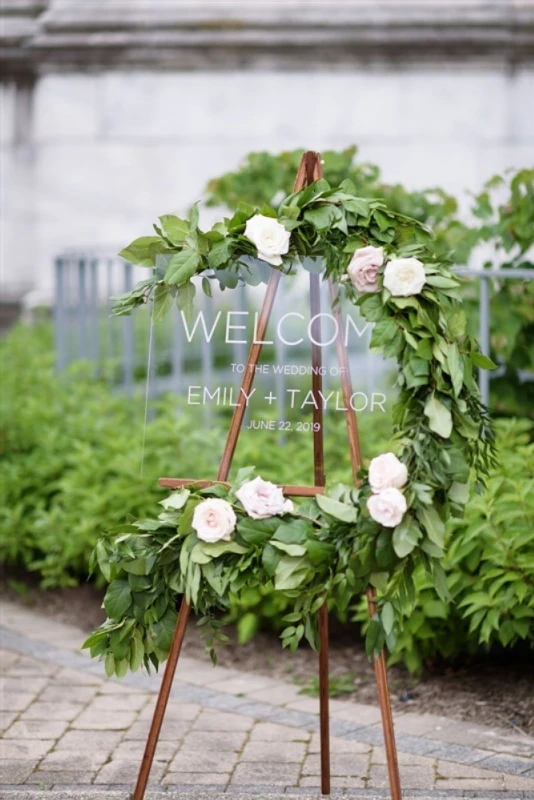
(332, 546)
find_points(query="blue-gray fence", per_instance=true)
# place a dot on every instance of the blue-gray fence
(134, 355)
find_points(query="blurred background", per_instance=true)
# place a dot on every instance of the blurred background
(115, 112)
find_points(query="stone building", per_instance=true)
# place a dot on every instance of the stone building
(116, 112)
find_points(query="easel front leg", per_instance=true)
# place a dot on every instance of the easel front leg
(163, 698)
(385, 710)
(324, 699)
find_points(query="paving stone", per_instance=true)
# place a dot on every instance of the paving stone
(37, 729)
(338, 745)
(218, 779)
(7, 718)
(176, 710)
(420, 724)
(471, 784)
(241, 684)
(189, 760)
(7, 659)
(360, 714)
(51, 711)
(257, 774)
(336, 783)
(55, 693)
(278, 695)
(72, 761)
(76, 678)
(411, 777)
(16, 771)
(170, 730)
(220, 721)
(104, 720)
(61, 777)
(125, 772)
(271, 732)
(26, 749)
(28, 667)
(514, 766)
(518, 782)
(134, 749)
(22, 685)
(214, 741)
(116, 687)
(281, 752)
(133, 702)
(82, 740)
(498, 739)
(17, 702)
(378, 756)
(341, 764)
(452, 769)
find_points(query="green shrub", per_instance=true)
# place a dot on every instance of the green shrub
(489, 566)
(71, 456)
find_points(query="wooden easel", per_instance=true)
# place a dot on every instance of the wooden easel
(309, 171)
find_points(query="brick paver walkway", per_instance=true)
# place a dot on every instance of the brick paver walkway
(67, 728)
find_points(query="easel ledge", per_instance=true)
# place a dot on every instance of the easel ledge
(295, 491)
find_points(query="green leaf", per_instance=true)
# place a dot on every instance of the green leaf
(439, 417)
(118, 598)
(109, 665)
(441, 282)
(174, 228)
(459, 493)
(182, 267)
(176, 500)
(185, 299)
(290, 572)
(334, 508)
(323, 216)
(162, 301)
(482, 361)
(456, 368)
(388, 618)
(433, 524)
(257, 531)
(137, 651)
(220, 548)
(405, 536)
(142, 251)
(290, 549)
(219, 253)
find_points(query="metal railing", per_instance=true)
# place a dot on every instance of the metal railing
(118, 347)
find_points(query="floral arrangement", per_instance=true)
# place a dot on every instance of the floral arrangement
(212, 544)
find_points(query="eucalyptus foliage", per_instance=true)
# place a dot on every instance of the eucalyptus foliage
(442, 436)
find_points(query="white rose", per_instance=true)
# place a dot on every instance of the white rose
(262, 499)
(387, 507)
(214, 520)
(404, 276)
(387, 472)
(363, 268)
(269, 236)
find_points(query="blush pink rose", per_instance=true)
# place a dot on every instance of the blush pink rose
(387, 507)
(262, 499)
(214, 520)
(387, 472)
(363, 269)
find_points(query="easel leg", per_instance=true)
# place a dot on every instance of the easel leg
(161, 704)
(324, 699)
(356, 460)
(385, 710)
(319, 476)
